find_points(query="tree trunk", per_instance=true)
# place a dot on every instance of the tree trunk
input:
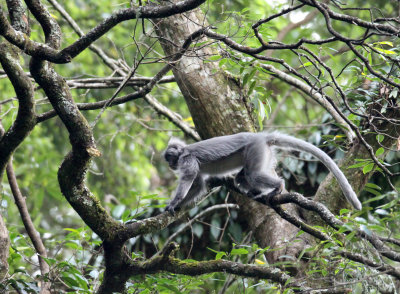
(219, 107)
(4, 248)
(215, 100)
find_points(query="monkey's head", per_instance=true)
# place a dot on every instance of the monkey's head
(174, 150)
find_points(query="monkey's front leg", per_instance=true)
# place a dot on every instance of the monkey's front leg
(183, 187)
(196, 191)
(188, 169)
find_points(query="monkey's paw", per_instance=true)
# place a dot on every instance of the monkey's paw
(265, 198)
(170, 209)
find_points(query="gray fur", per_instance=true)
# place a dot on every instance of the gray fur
(248, 156)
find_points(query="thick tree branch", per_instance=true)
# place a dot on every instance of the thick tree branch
(51, 29)
(72, 172)
(17, 14)
(106, 59)
(142, 92)
(26, 120)
(166, 262)
(50, 53)
(177, 266)
(156, 105)
(322, 211)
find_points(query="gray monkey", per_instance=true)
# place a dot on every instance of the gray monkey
(248, 157)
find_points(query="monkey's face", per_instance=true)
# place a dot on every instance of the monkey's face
(172, 155)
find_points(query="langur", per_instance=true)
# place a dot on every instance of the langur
(246, 156)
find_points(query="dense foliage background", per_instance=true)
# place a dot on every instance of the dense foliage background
(289, 85)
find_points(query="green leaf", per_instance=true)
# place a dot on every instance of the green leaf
(372, 191)
(389, 205)
(350, 236)
(380, 138)
(388, 52)
(306, 64)
(373, 186)
(368, 168)
(172, 288)
(72, 230)
(220, 255)
(239, 251)
(357, 165)
(352, 116)
(212, 250)
(375, 198)
(385, 43)
(251, 88)
(70, 281)
(380, 151)
(248, 76)
(215, 57)
(73, 244)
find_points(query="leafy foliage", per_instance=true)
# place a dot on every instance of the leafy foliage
(133, 183)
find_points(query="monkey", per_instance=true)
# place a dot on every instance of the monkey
(245, 156)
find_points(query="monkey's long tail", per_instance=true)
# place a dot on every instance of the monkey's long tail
(289, 142)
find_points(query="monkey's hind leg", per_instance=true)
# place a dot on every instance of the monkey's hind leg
(241, 182)
(258, 160)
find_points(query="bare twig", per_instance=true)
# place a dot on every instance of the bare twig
(29, 226)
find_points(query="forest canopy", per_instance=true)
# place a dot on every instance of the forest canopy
(91, 93)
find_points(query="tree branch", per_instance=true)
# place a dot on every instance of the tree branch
(29, 227)
(207, 211)
(26, 120)
(315, 95)
(49, 53)
(166, 262)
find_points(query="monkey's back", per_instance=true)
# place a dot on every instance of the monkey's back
(219, 147)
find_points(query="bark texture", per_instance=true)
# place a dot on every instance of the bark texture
(215, 100)
(219, 107)
(4, 248)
